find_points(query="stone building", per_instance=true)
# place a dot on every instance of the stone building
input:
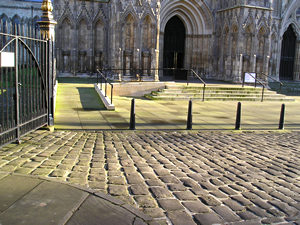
(136, 39)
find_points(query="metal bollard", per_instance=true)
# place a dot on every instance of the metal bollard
(189, 125)
(281, 120)
(238, 116)
(132, 115)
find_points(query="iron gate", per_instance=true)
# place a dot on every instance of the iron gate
(24, 89)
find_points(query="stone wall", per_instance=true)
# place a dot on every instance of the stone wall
(224, 38)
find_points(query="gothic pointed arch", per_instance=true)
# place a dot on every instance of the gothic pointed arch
(129, 31)
(288, 52)
(196, 16)
(4, 22)
(147, 32)
(129, 11)
(290, 19)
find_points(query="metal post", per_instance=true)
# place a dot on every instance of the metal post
(189, 125)
(238, 116)
(17, 92)
(111, 93)
(263, 93)
(132, 115)
(97, 77)
(281, 121)
(204, 87)
(243, 80)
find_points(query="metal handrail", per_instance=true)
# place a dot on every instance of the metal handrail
(281, 84)
(256, 80)
(204, 84)
(106, 81)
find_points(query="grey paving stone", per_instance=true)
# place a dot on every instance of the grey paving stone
(246, 215)
(272, 220)
(226, 214)
(161, 192)
(241, 200)
(228, 191)
(185, 195)
(233, 205)
(209, 200)
(208, 219)
(170, 204)
(177, 187)
(139, 189)
(180, 217)
(259, 211)
(145, 201)
(288, 210)
(117, 190)
(154, 212)
(196, 206)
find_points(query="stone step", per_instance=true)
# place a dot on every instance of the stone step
(227, 95)
(216, 93)
(170, 98)
(210, 87)
(257, 91)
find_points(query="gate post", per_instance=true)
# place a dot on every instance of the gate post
(47, 26)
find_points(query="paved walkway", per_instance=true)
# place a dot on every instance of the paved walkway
(78, 107)
(28, 200)
(175, 177)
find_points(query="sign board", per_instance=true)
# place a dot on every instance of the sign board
(7, 59)
(250, 77)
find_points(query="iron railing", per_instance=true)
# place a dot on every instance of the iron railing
(24, 86)
(273, 79)
(104, 80)
(255, 84)
(199, 78)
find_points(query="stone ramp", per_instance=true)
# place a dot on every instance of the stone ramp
(78, 106)
(26, 200)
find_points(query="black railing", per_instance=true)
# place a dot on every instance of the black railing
(255, 84)
(104, 80)
(273, 79)
(199, 78)
(25, 100)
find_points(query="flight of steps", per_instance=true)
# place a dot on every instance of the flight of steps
(288, 88)
(215, 93)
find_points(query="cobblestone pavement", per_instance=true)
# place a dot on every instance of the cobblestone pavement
(176, 177)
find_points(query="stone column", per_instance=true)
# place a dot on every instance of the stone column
(47, 27)
(297, 61)
(253, 64)
(240, 75)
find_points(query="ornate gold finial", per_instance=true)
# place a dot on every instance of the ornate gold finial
(47, 6)
(47, 23)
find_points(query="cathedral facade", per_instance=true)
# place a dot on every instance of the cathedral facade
(143, 39)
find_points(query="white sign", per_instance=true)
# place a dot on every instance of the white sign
(250, 77)
(7, 59)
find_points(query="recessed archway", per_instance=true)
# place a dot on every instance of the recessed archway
(174, 48)
(288, 51)
(196, 19)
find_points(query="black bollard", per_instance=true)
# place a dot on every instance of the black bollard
(189, 125)
(281, 121)
(238, 116)
(132, 115)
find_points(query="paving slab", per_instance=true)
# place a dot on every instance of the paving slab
(78, 107)
(27, 200)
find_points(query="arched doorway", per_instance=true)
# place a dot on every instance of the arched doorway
(174, 49)
(288, 54)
